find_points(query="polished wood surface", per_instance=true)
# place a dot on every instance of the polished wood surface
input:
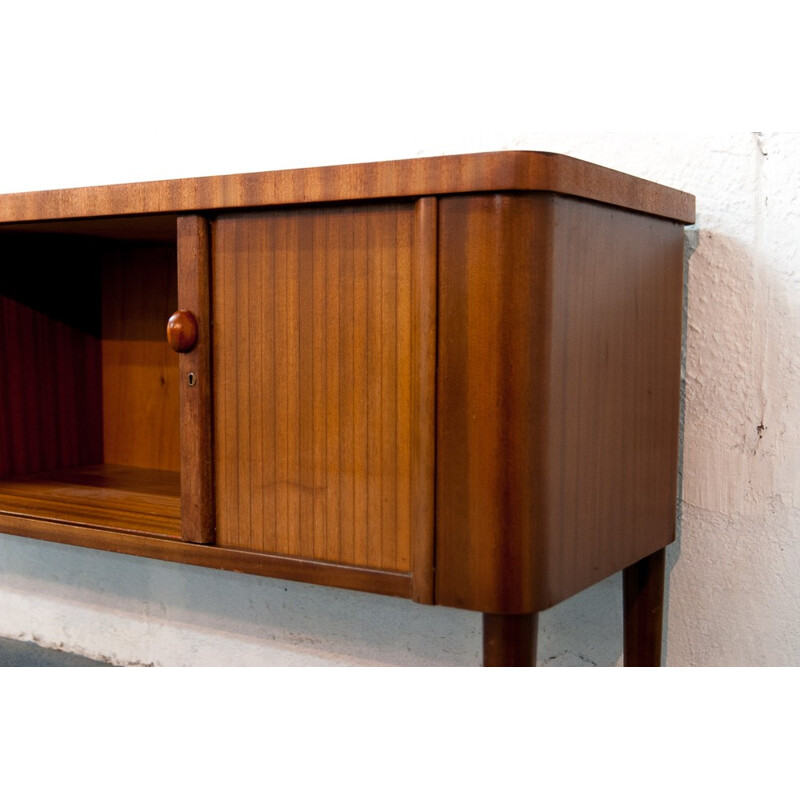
(182, 331)
(169, 547)
(643, 607)
(198, 522)
(422, 397)
(614, 393)
(114, 498)
(140, 371)
(558, 396)
(493, 292)
(509, 640)
(479, 172)
(317, 358)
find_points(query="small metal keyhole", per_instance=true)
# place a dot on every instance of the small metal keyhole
(192, 379)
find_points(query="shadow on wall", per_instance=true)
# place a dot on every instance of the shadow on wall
(735, 587)
(135, 610)
(691, 242)
(131, 610)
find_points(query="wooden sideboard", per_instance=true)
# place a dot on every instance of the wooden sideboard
(454, 379)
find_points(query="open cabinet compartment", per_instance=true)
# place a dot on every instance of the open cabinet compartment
(89, 395)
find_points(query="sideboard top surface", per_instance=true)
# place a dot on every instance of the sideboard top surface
(478, 172)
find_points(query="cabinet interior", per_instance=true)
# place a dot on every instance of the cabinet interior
(89, 395)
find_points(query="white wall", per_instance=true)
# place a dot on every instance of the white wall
(242, 96)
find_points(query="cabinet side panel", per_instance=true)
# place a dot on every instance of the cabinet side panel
(494, 256)
(315, 368)
(614, 384)
(558, 396)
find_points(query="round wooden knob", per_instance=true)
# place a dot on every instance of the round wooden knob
(182, 331)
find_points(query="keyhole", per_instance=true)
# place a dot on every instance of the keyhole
(192, 379)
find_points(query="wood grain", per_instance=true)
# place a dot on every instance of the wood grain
(422, 398)
(196, 439)
(643, 607)
(480, 172)
(614, 393)
(509, 640)
(493, 348)
(317, 353)
(170, 548)
(140, 371)
(83, 356)
(558, 396)
(114, 498)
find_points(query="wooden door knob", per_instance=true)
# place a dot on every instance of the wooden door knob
(182, 331)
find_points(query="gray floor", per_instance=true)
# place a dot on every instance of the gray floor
(27, 654)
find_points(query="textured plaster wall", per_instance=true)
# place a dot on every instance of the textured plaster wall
(733, 574)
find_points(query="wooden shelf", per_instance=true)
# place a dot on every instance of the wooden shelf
(116, 498)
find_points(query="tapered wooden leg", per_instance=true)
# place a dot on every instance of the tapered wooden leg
(509, 640)
(643, 604)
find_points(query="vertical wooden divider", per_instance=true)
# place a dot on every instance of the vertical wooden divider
(197, 472)
(423, 402)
